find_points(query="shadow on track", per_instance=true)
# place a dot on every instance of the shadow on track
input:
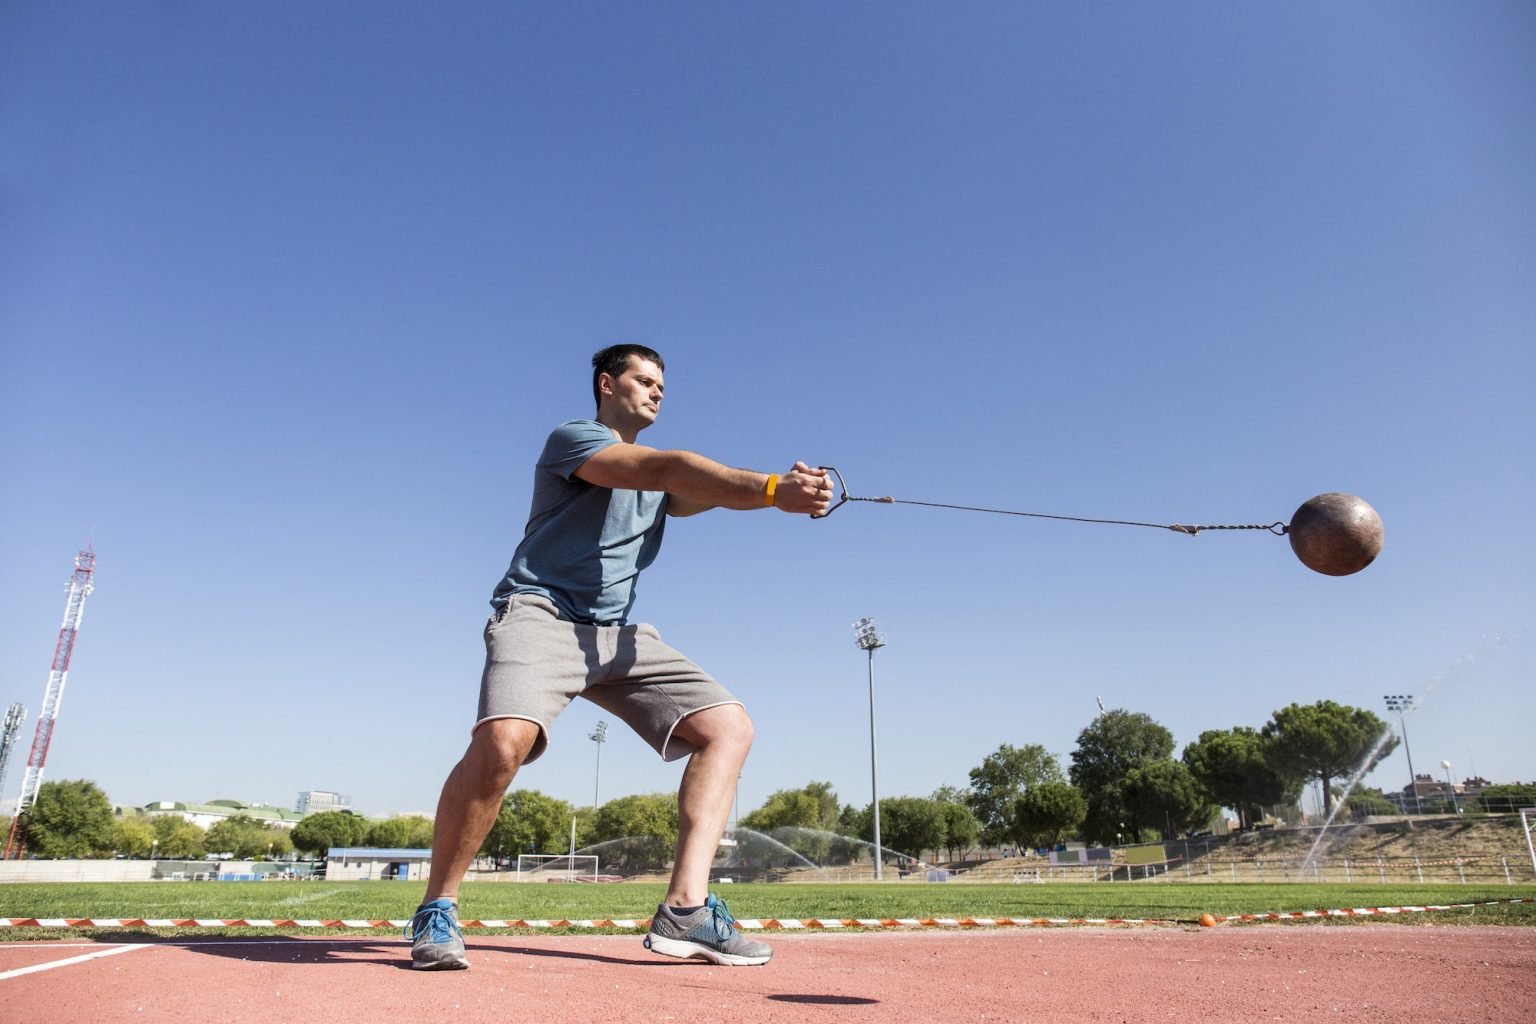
(335, 950)
(823, 1000)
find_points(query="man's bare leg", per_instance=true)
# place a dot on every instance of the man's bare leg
(471, 799)
(721, 737)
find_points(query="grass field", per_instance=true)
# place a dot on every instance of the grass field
(544, 901)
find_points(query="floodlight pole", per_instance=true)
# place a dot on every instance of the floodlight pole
(598, 736)
(868, 639)
(1400, 703)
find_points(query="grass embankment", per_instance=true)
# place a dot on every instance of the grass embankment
(542, 901)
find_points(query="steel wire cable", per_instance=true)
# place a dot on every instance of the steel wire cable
(1277, 528)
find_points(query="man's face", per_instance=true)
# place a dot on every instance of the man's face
(636, 393)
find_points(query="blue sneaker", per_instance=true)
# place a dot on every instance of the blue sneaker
(436, 942)
(708, 933)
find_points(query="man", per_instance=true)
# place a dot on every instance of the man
(560, 629)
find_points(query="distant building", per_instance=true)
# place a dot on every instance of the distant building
(1428, 791)
(351, 863)
(316, 801)
(204, 815)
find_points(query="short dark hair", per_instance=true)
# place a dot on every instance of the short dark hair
(614, 360)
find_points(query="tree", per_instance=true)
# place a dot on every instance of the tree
(1165, 795)
(279, 842)
(327, 830)
(852, 822)
(1109, 747)
(961, 829)
(245, 838)
(407, 832)
(529, 822)
(70, 819)
(812, 806)
(1232, 766)
(803, 819)
(133, 837)
(908, 824)
(950, 795)
(1047, 812)
(237, 836)
(175, 836)
(1326, 741)
(586, 825)
(647, 823)
(999, 781)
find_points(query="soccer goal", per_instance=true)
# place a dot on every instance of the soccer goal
(556, 867)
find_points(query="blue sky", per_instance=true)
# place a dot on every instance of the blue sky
(292, 294)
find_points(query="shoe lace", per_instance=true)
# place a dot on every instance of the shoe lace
(432, 920)
(724, 921)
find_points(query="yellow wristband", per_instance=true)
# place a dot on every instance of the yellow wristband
(773, 485)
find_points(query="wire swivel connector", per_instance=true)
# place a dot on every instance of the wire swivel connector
(840, 501)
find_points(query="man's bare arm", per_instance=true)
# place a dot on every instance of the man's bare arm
(696, 483)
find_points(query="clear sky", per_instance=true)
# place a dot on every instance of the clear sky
(291, 294)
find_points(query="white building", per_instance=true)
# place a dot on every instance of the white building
(316, 801)
(204, 815)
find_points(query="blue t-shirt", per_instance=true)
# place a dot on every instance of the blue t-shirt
(584, 546)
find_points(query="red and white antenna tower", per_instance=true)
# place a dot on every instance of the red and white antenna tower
(53, 695)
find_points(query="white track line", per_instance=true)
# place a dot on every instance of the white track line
(309, 897)
(18, 972)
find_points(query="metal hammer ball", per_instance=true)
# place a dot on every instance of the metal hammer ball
(1335, 534)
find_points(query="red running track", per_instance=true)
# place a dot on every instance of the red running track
(1374, 974)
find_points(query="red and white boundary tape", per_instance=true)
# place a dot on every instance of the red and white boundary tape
(750, 924)
(764, 924)
(1365, 911)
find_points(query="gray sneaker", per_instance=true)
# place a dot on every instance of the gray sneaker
(436, 942)
(708, 933)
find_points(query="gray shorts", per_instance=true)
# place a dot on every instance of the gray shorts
(535, 662)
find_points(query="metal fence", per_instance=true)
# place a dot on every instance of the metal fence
(1502, 870)
(1458, 850)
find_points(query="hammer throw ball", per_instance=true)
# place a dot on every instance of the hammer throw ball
(1335, 534)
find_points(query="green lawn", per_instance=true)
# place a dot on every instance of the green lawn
(544, 901)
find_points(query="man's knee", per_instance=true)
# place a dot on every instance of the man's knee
(727, 726)
(743, 731)
(499, 747)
